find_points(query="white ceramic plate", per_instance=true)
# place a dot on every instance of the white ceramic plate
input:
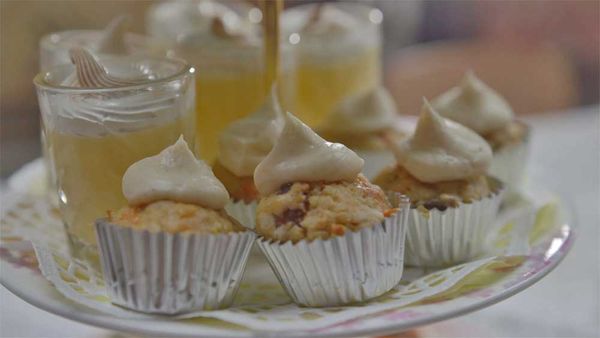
(21, 276)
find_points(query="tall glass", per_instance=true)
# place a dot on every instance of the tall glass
(94, 135)
(332, 68)
(231, 74)
(230, 84)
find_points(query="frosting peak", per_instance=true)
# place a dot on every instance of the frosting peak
(301, 155)
(367, 112)
(174, 174)
(246, 142)
(475, 105)
(224, 30)
(328, 20)
(113, 39)
(442, 150)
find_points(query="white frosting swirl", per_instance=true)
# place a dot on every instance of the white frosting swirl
(174, 174)
(367, 112)
(475, 105)
(328, 21)
(170, 19)
(442, 150)
(222, 32)
(301, 155)
(246, 142)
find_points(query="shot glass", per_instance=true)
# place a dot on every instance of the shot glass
(94, 134)
(231, 72)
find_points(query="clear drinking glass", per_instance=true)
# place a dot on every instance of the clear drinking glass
(330, 66)
(94, 134)
(230, 84)
(231, 73)
(54, 51)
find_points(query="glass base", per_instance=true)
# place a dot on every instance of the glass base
(84, 251)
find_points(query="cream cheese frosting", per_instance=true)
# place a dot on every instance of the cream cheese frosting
(442, 150)
(328, 21)
(246, 142)
(222, 32)
(475, 105)
(366, 112)
(300, 155)
(174, 174)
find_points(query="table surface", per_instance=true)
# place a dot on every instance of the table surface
(565, 159)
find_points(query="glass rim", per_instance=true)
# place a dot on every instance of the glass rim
(354, 6)
(186, 69)
(46, 38)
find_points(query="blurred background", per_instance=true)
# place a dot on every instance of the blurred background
(541, 55)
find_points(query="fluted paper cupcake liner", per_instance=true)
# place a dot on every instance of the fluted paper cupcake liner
(341, 270)
(437, 238)
(375, 161)
(509, 164)
(160, 272)
(243, 212)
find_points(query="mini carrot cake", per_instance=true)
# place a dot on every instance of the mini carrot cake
(173, 224)
(311, 210)
(364, 122)
(314, 198)
(318, 194)
(174, 217)
(442, 169)
(480, 108)
(434, 195)
(361, 121)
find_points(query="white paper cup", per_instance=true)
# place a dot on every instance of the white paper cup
(439, 238)
(341, 270)
(160, 272)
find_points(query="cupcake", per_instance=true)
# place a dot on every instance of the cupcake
(330, 236)
(159, 253)
(480, 108)
(442, 169)
(363, 122)
(242, 146)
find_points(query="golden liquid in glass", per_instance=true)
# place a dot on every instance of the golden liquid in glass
(321, 85)
(90, 169)
(223, 97)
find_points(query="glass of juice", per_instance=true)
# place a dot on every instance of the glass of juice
(54, 50)
(338, 48)
(94, 134)
(230, 81)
